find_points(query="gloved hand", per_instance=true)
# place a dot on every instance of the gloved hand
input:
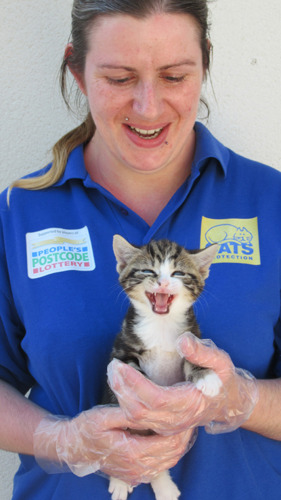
(97, 440)
(168, 410)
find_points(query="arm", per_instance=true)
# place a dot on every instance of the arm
(96, 439)
(19, 418)
(265, 418)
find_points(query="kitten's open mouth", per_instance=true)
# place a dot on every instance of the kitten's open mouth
(160, 302)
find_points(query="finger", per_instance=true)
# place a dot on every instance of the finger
(147, 452)
(136, 391)
(107, 418)
(165, 410)
(125, 380)
(204, 353)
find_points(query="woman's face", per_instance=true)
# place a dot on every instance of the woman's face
(143, 81)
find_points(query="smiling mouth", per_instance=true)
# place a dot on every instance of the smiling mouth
(160, 302)
(146, 134)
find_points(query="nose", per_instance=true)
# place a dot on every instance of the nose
(163, 282)
(147, 100)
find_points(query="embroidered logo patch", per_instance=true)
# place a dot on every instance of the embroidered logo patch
(238, 239)
(54, 250)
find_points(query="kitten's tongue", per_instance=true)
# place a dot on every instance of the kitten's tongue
(160, 302)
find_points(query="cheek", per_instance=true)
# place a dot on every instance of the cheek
(138, 293)
(192, 102)
(188, 100)
(187, 111)
(188, 296)
(103, 102)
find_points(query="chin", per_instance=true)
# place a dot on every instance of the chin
(144, 166)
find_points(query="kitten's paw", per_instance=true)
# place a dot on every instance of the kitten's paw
(164, 488)
(119, 489)
(210, 384)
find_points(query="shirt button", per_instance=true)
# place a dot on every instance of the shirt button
(124, 211)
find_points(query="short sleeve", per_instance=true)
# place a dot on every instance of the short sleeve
(13, 361)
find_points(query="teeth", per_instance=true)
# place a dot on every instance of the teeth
(148, 134)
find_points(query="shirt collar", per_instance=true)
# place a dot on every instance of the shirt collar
(206, 147)
(75, 167)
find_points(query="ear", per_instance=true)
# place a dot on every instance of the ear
(123, 251)
(207, 60)
(209, 46)
(204, 258)
(76, 75)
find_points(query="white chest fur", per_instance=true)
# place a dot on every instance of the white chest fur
(162, 367)
(161, 362)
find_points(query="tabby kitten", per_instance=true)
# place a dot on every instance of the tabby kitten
(162, 280)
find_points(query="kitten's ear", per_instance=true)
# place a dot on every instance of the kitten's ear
(204, 259)
(123, 251)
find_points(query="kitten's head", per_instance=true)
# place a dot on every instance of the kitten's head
(162, 276)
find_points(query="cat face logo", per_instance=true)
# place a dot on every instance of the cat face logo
(238, 239)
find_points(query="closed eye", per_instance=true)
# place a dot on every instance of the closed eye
(177, 274)
(117, 81)
(174, 79)
(148, 272)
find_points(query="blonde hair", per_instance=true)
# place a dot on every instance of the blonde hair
(61, 150)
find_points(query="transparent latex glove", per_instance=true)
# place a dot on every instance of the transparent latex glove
(167, 410)
(97, 440)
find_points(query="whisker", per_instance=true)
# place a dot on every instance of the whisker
(210, 293)
(120, 293)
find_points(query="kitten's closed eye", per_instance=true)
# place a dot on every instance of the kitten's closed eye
(148, 272)
(182, 274)
(177, 274)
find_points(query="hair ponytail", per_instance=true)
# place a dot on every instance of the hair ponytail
(61, 150)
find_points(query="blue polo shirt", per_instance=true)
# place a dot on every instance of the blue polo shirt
(61, 306)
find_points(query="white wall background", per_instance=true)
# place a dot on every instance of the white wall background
(245, 112)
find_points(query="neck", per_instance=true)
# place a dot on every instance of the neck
(146, 193)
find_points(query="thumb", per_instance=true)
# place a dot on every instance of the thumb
(130, 386)
(203, 352)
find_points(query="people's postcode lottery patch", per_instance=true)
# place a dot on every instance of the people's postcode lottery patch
(54, 250)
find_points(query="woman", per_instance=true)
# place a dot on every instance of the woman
(139, 166)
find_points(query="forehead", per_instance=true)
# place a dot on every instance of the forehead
(156, 37)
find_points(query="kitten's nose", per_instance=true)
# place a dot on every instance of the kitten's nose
(163, 282)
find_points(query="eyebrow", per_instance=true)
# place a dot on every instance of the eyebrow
(186, 62)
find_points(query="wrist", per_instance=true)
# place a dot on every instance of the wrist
(49, 440)
(63, 444)
(241, 398)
